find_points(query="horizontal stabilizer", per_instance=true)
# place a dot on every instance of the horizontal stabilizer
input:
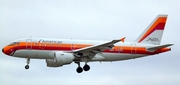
(152, 49)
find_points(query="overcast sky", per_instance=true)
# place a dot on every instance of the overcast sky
(93, 20)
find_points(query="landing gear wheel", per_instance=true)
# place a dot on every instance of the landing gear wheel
(28, 61)
(79, 70)
(86, 67)
(27, 67)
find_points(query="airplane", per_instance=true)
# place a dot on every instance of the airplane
(59, 52)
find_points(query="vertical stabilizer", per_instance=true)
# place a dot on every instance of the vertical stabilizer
(153, 33)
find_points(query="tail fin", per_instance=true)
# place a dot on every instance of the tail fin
(153, 33)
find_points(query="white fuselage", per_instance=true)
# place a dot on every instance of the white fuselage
(115, 54)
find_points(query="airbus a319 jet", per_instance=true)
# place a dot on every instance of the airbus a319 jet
(59, 52)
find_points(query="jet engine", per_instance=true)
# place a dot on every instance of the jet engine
(60, 59)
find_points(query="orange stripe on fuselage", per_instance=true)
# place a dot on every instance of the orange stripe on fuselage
(159, 20)
(70, 47)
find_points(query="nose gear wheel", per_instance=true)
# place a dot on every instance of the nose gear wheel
(28, 61)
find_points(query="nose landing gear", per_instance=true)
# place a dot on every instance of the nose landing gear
(28, 61)
(27, 67)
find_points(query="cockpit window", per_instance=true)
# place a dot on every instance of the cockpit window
(14, 43)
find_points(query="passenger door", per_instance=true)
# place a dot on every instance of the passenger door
(133, 48)
(73, 45)
(28, 44)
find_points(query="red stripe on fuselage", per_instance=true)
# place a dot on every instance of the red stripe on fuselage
(68, 47)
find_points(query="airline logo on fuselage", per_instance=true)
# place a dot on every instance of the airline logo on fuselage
(153, 39)
(49, 41)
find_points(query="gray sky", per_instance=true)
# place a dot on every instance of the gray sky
(94, 20)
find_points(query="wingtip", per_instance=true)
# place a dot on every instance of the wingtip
(122, 39)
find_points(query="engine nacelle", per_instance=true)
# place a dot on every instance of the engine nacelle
(60, 59)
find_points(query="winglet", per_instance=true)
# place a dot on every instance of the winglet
(122, 39)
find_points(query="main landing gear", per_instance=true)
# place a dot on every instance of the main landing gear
(79, 69)
(28, 61)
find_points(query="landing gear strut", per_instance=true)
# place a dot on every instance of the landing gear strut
(28, 61)
(79, 69)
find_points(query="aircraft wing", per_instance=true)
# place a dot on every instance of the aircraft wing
(93, 50)
(99, 47)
